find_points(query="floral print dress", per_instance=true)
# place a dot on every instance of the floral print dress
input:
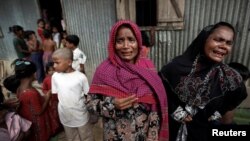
(137, 123)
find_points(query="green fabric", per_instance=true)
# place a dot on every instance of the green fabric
(55, 138)
(22, 44)
(242, 116)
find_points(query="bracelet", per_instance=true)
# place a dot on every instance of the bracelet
(179, 114)
(191, 110)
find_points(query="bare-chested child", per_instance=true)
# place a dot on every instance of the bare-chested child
(49, 46)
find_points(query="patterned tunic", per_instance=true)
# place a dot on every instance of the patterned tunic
(138, 123)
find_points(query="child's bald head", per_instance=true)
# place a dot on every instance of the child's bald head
(62, 59)
(63, 53)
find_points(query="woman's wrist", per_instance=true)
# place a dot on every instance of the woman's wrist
(179, 114)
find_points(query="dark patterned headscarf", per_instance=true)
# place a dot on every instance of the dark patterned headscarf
(195, 78)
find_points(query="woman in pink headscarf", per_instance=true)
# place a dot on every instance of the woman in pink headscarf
(127, 92)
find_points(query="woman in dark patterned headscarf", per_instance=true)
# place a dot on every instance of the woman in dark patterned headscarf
(200, 87)
(127, 92)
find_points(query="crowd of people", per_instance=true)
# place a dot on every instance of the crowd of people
(193, 92)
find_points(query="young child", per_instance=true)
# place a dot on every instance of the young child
(71, 86)
(31, 107)
(49, 47)
(40, 28)
(79, 60)
(53, 103)
(56, 36)
(36, 54)
(63, 39)
(47, 81)
(20, 45)
(12, 126)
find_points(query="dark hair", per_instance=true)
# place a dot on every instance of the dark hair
(1, 98)
(15, 29)
(47, 33)
(223, 24)
(28, 33)
(48, 65)
(11, 83)
(1, 94)
(74, 39)
(55, 26)
(145, 39)
(40, 20)
(63, 32)
(241, 69)
(23, 68)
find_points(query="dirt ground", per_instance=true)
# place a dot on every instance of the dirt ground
(97, 130)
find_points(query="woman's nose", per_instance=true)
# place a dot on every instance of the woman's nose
(225, 45)
(126, 44)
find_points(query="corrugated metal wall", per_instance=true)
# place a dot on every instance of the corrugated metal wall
(16, 12)
(198, 14)
(91, 20)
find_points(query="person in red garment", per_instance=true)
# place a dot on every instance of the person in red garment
(40, 28)
(127, 92)
(55, 124)
(31, 106)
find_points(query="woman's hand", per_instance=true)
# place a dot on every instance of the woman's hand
(124, 103)
(188, 118)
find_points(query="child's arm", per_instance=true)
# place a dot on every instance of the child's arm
(54, 46)
(46, 102)
(45, 86)
(22, 50)
(82, 69)
(82, 59)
